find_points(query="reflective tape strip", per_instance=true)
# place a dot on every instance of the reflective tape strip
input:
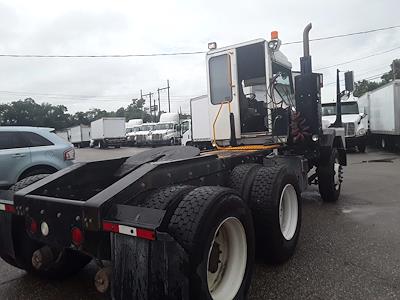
(127, 230)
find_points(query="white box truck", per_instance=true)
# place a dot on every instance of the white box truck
(200, 128)
(108, 132)
(64, 134)
(80, 136)
(382, 107)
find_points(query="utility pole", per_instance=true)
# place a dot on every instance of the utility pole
(169, 100)
(149, 95)
(159, 104)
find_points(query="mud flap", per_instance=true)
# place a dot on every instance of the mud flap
(6, 239)
(148, 270)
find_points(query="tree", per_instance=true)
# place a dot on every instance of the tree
(365, 86)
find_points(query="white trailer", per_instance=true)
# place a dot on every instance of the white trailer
(108, 132)
(200, 125)
(80, 136)
(382, 107)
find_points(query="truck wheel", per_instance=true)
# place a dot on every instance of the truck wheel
(167, 198)
(330, 177)
(215, 228)
(68, 263)
(383, 143)
(172, 142)
(362, 146)
(241, 179)
(276, 207)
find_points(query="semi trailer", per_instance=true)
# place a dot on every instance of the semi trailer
(176, 223)
(382, 110)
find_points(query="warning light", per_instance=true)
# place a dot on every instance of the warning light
(274, 35)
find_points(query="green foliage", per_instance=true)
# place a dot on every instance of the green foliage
(365, 86)
(29, 113)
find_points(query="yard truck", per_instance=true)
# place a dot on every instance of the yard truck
(176, 223)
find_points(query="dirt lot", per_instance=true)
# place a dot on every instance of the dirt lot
(346, 250)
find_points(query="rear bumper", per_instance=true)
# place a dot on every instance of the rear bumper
(353, 141)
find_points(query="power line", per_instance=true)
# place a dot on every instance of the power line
(367, 78)
(184, 52)
(357, 59)
(344, 35)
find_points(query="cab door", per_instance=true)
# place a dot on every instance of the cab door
(223, 94)
(14, 157)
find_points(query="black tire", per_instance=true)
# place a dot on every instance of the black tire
(167, 198)
(35, 172)
(242, 178)
(362, 146)
(268, 186)
(329, 190)
(172, 142)
(69, 262)
(23, 183)
(194, 225)
(117, 146)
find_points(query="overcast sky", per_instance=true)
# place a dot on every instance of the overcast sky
(129, 27)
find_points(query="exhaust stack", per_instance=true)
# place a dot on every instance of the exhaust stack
(305, 61)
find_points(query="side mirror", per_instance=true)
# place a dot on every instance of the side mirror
(349, 81)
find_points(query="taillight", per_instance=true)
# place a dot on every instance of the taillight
(7, 208)
(69, 154)
(77, 236)
(32, 226)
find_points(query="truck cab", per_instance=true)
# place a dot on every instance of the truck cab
(142, 135)
(242, 81)
(354, 121)
(166, 132)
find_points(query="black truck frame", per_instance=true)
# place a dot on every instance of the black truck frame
(101, 210)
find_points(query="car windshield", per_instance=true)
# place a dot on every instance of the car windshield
(146, 127)
(349, 108)
(164, 126)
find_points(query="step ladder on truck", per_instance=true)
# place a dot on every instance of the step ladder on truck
(177, 223)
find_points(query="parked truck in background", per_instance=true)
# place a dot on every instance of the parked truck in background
(354, 121)
(132, 127)
(166, 131)
(107, 132)
(80, 136)
(200, 125)
(143, 135)
(177, 223)
(64, 134)
(382, 110)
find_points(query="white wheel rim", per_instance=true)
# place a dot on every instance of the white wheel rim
(383, 143)
(225, 278)
(288, 212)
(338, 174)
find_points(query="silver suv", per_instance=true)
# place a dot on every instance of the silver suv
(28, 151)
